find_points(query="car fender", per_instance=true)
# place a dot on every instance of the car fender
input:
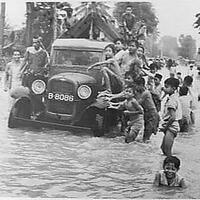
(20, 92)
(25, 100)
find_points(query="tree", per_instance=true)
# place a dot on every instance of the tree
(197, 22)
(142, 10)
(187, 47)
(41, 20)
(151, 45)
(169, 46)
(2, 24)
(96, 7)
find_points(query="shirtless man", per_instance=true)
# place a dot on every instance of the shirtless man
(129, 56)
(35, 58)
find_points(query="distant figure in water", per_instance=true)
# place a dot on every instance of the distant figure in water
(169, 176)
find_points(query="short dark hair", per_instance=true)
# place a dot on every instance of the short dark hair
(119, 39)
(140, 81)
(188, 80)
(173, 82)
(172, 159)
(128, 7)
(134, 63)
(112, 46)
(128, 73)
(159, 76)
(140, 46)
(133, 41)
(183, 90)
(153, 65)
(178, 73)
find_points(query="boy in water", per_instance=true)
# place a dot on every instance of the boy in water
(151, 117)
(171, 114)
(169, 176)
(157, 91)
(133, 112)
(188, 82)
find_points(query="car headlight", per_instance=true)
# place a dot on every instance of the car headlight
(84, 92)
(38, 86)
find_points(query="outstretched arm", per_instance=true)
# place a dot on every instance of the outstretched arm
(118, 106)
(96, 64)
(116, 96)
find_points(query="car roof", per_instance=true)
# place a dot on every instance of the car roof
(79, 43)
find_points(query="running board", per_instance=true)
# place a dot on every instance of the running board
(53, 125)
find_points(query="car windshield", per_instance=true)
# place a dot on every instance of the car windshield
(75, 57)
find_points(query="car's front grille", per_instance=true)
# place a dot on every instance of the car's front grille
(63, 87)
(60, 106)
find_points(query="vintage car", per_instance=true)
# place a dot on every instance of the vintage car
(66, 97)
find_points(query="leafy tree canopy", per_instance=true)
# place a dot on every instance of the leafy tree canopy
(187, 47)
(98, 7)
(41, 15)
(197, 22)
(169, 46)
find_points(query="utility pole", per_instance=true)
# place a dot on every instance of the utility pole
(2, 24)
(29, 22)
(55, 32)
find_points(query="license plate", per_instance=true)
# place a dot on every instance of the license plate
(60, 97)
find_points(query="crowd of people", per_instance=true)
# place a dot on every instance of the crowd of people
(128, 69)
(19, 70)
(145, 106)
(148, 106)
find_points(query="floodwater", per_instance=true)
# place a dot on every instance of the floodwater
(58, 164)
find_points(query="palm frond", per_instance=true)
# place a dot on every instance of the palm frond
(82, 11)
(83, 4)
(103, 6)
(104, 13)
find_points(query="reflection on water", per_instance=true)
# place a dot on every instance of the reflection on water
(52, 163)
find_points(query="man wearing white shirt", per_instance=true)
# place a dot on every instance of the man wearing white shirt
(188, 82)
(191, 71)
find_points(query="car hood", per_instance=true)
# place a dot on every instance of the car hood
(77, 78)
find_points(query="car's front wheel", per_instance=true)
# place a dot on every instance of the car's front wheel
(21, 109)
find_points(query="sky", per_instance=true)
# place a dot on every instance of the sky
(175, 16)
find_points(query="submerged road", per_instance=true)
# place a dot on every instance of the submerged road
(50, 163)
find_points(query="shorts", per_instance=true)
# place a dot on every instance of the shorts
(174, 128)
(134, 128)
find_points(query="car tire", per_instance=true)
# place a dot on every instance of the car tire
(11, 120)
(20, 109)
